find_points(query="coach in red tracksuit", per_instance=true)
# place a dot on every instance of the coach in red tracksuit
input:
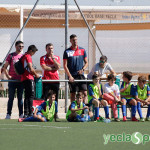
(50, 64)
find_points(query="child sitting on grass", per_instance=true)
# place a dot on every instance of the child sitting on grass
(76, 110)
(47, 111)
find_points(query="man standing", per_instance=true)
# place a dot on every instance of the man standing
(50, 64)
(11, 75)
(75, 62)
(28, 80)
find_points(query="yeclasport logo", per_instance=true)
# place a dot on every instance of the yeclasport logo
(135, 138)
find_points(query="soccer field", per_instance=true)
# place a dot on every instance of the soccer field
(68, 136)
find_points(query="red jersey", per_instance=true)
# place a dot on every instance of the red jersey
(52, 74)
(27, 74)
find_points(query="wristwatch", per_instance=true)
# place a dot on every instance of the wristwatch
(83, 69)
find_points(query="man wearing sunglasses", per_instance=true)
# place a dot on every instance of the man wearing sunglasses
(11, 75)
(101, 68)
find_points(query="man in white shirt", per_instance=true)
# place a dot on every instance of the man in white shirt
(101, 68)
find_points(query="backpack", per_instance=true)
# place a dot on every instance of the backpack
(18, 66)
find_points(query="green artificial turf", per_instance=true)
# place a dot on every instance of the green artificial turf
(68, 136)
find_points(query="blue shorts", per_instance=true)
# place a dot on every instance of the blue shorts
(39, 113)
(128, 100)
(90, 102)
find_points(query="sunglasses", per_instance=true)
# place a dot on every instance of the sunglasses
(101, 61)
(21, 46)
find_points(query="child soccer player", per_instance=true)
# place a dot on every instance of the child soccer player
(95, 95)
(142, 95)
(127, 95)
(112, 95)
(76, 109)
(47, 111)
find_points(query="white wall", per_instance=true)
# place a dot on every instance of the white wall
(126, 50)
(40, 37)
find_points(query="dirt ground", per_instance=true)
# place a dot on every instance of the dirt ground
(15, 114)
(61, 109)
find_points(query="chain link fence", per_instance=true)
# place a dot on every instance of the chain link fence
(126, 47)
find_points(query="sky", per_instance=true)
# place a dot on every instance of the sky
(81, 2)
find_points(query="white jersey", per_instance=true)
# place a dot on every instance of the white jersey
(114, 89)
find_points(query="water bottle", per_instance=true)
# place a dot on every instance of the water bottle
(38, 85)
(86, 114)
(107, 120)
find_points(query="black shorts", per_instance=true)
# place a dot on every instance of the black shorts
(78, 86)
(50, 86)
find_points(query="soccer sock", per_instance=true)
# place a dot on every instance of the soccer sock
(134, 108)
(96, 112)
(139, 109)
(78, 117)
(106, 108)
(124, 110)
(148, 112)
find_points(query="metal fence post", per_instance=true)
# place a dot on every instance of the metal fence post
(66, 46)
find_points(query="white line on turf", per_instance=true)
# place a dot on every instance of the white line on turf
(33, 126)
(23, 128)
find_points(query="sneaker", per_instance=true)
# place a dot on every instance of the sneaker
(107, 121)
(21, 116)
(98, 121)
(8, 116)
(97, 118)
(124, 118)
(101, 118)
(117, 120)
(21, 119)
(147, 119)
(142, 120)
(134, 119)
